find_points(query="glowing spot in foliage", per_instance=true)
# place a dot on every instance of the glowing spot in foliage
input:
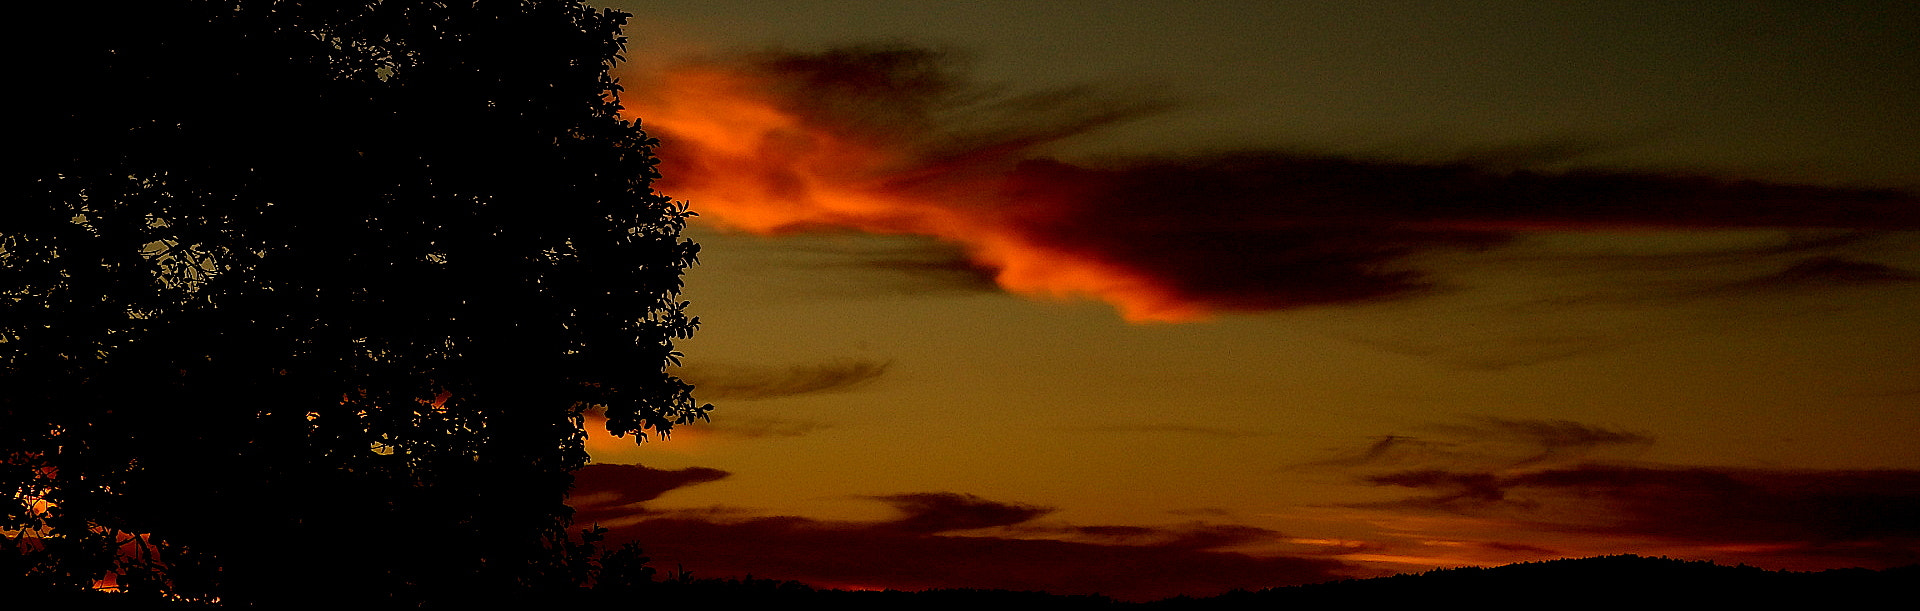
(604, 448)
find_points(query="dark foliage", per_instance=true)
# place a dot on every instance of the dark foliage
(307, 300)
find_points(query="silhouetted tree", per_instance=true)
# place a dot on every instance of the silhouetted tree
(309, 298)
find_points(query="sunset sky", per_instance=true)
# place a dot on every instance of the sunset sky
(1151, 298)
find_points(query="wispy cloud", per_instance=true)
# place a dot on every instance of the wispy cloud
(606, 490)
(751, 427)
(1551, 479)
(1176, 429)
(937, 512)
(895, 140)
(1865, 516)
(714, 381)
(1823, 272)
(947, 540)
(1493, 442)
(912, 267)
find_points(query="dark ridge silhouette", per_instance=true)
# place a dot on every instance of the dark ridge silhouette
(1623, 581)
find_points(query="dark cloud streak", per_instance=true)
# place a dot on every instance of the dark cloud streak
(765, 428)
(895, 139)
(1869, 512)
(1825, 272)
(1489, 441)
(1003, 549)
(936, 512)
(1547, 477)
(607, 491)
(833, 554)
(749, 382)
(1178, 429)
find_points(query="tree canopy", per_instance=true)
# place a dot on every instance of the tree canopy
(314, 296)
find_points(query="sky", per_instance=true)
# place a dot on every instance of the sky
(1156, 298)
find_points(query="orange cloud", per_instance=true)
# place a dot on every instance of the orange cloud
(745, 153)
(891, 141)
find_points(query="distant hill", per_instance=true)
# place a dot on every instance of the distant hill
(1617, 582)
(1610, 582)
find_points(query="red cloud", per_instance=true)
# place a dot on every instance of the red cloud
(917, 550)
(889, 555)
(891, 141)
(607, 491)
